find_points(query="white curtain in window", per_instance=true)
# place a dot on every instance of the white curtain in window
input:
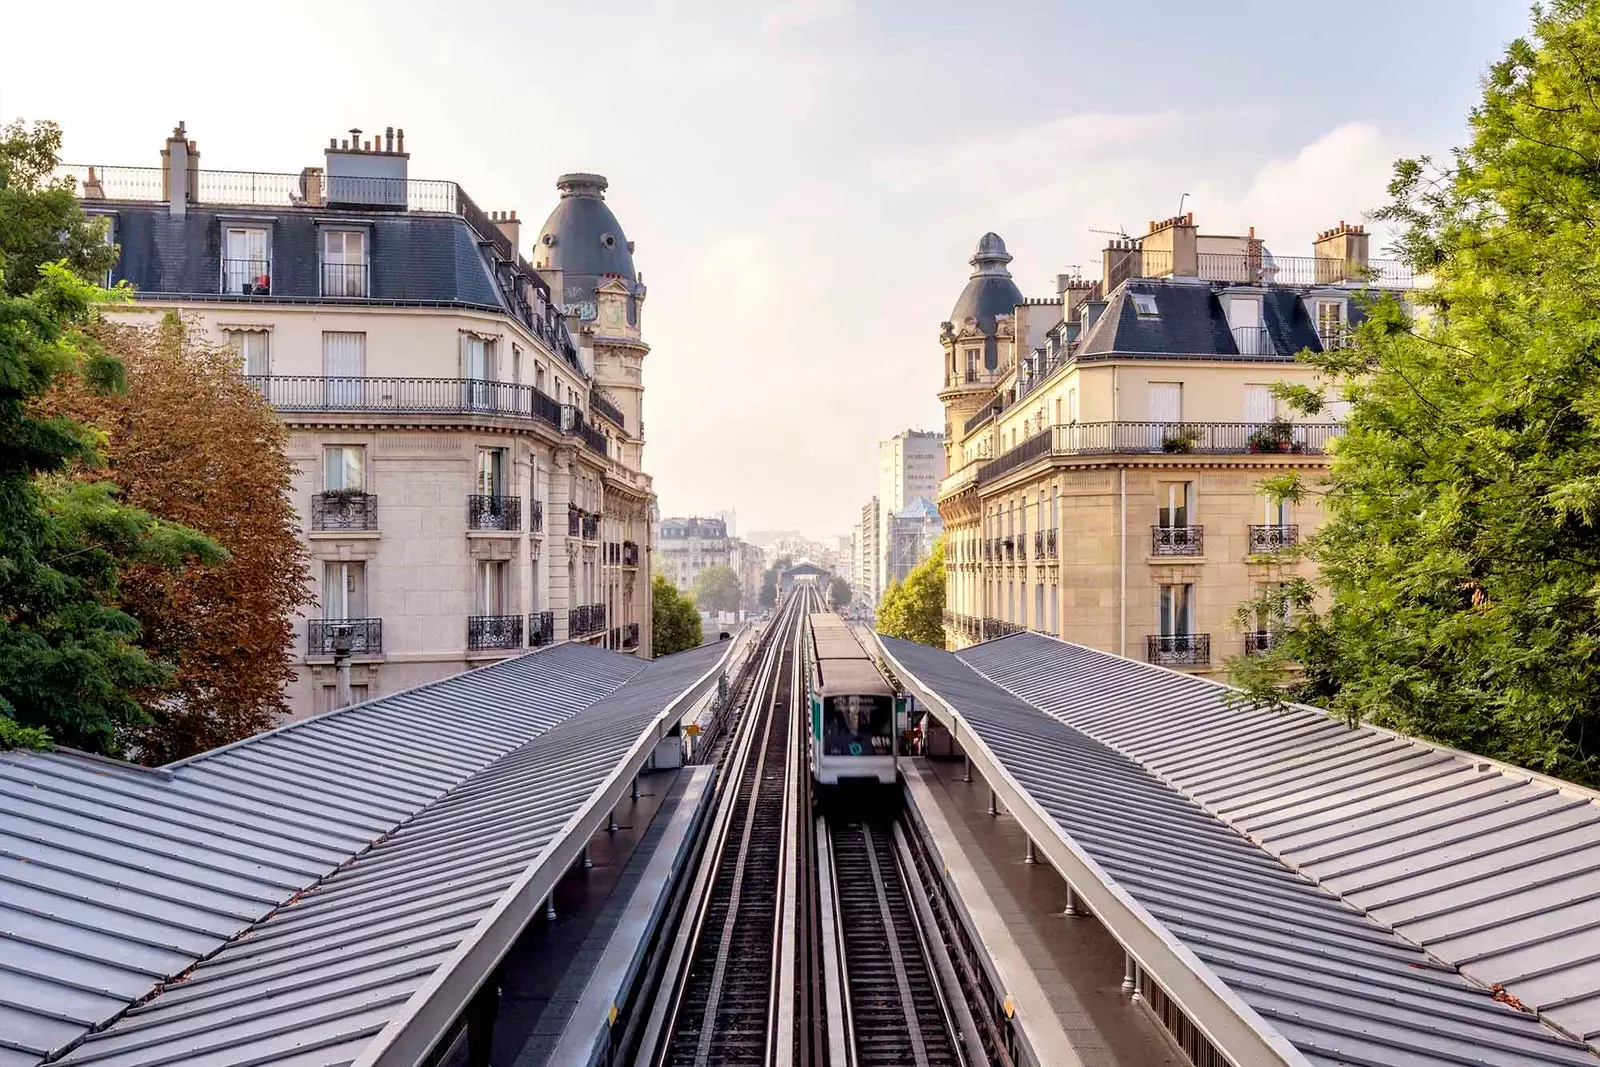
(254, 348)
(344, 467)
(344, 365)
(344, 263)
(1259, 404)
(245, 261)
(344, 590)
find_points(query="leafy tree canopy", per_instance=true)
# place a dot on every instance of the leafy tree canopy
(717, 589)
(914, 609)
(1458, 594)
(41, 220)
(839, 592)
(674, 623)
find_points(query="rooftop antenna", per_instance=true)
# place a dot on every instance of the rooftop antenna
(1111, 233)
(1181, 199)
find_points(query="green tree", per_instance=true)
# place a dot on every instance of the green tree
(41, 220)
(769, 581)
(674, 623)
(717, 589)
(839, 592)
(1458, 595)
(914, 609)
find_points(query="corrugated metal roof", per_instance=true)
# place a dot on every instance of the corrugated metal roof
(1337, 985)
(321, 977)
(1493, 872)
(114, 878)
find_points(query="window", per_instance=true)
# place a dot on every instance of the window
(344, 467)
(1176, 609)
(1330, 323)
(344, 263)
(538, 377)
(1259, 405)
(246, 262)
(1274, 512)
(344, 365)
(1174, 506)
(491, 472)
(489, 590)
(1144, 304)
(516, 365)
(255, 351)
(344, 589)
(1072, 404)
(1244, 319)
(1165, 413)
(478, 371)
(974, 361)
(109, 235)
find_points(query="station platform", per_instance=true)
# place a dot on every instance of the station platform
(1063, 974)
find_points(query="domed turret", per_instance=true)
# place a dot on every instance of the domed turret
(990, 291)
(584, 241)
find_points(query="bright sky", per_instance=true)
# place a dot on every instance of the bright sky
(805, 179)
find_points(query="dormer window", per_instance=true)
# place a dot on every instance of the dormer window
(246, 261)
(1330, 323)
(1144, 304)
(344, 263)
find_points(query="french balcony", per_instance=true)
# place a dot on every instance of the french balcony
(574, 520)
(344, 509)
(1178, 650)
(630, 635)
(597, 618)
(345, 280)
(1253, 341)
(1259, 642)
(989, 629)
(1271, 539)
(1177, 540)
(490, 632)
(630, 554)
(1050, 546)
(579, 621)
(247, 277)
(536, 516)
(328, 637)
(591, 527)
(541, 628)
(489, 511)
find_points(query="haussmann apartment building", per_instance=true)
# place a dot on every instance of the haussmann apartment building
(1105, 446)
(466, 422)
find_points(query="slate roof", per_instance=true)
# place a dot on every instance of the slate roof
(114, 878)
(1490, 870)
(990, 291)
(1338, 985)
(573, 238)
(346, 963)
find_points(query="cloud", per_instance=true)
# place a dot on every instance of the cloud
(803, 14)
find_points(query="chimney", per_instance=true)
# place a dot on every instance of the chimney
(179, 162)
(1170, 248)
(1340, 254)
(1076, 291)
(1120, 261)
(400, 141)
(388, 139)
(508, 224)
(92, 189)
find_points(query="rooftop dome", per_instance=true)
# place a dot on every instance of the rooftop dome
(584, 241)
(991, 291)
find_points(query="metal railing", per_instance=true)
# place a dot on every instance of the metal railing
(579, 621)
(344, 509)
(1330, 339)
(989, 629)
(594, 438)
(247, 277)
(366, 636)
(1268, 539)
(541, 628)
(1178, 650)
(597, 617)
(630, 554)
(486, 632)
(490, 511)
(591, 527)
(536, 516)
(405, 396)
(1108, 438)
(1050, 543)
(981, 417)
(1259, 642)
(574, 520)
(1253, 341)
(1246, 269)
(1127, 260)
(345, 280)
(630, 635)
(598, 401)
(1177, 540)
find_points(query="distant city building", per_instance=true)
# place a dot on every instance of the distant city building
(866, 557)
(730, 519)
(1106, 445)
(912, 532)
(687, 546)
(749, 562)
(466, 424)
(909, 467)
(768, 539)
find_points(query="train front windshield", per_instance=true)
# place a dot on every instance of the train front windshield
(858, 726)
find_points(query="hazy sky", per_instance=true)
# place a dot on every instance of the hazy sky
(805, 179)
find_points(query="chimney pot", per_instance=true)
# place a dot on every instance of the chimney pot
(388, 138)
(400, 141)
(333, 142)
(344, 145)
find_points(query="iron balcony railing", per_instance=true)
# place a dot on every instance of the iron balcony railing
(597, 617)
(536, 516)
(247, 277)
(989, 629)
(344, 509)
(345, 280)
(1247, 269)
(1177, 540)
(1259, 642)
(981, 417)
(574, 520)
(489, 511)
(579, 621)
(1179, 650)
(1330, 338)
(541, 628)
(630, 635)
(323, 636)
(630, 554)
(1050, 543)
(1253, 341)
(591, 527)
(594, 438)
(598, 401)
(1265, 540)
(485, 632)
(406, 396)
(1205, 438)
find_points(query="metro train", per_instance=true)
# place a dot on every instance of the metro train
(853, 708)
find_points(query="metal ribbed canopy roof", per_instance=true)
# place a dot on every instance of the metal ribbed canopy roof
(1311, 968)
(115, 877)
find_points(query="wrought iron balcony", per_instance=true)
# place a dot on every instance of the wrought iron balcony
(990, 629)
(486, 632)
(345, 280)
(541, 628)
(574, 520)
(312, 393)
(591, 527)
(324, 635)
(344, 509)
(1253, 341)
(600, 402)
(1177, 540)
(247, 277)
(1135, 438)
(1266, 540)
(1050, 543)
(1248, 269)
(597, 617)
(492, 512)
(579, 621)
(1260, 641)
(536, 516)
(630, 554)
(1179, 650)
(630, 635)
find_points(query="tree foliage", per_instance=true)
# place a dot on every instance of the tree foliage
(41, 220)
(1458, 594)
(769, 580)
(914, 609)
(674, 623)
(839, 594)
(189, 440)
(717, 589)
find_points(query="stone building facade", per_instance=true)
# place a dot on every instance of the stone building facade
(1105, 446)
(466, 425)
